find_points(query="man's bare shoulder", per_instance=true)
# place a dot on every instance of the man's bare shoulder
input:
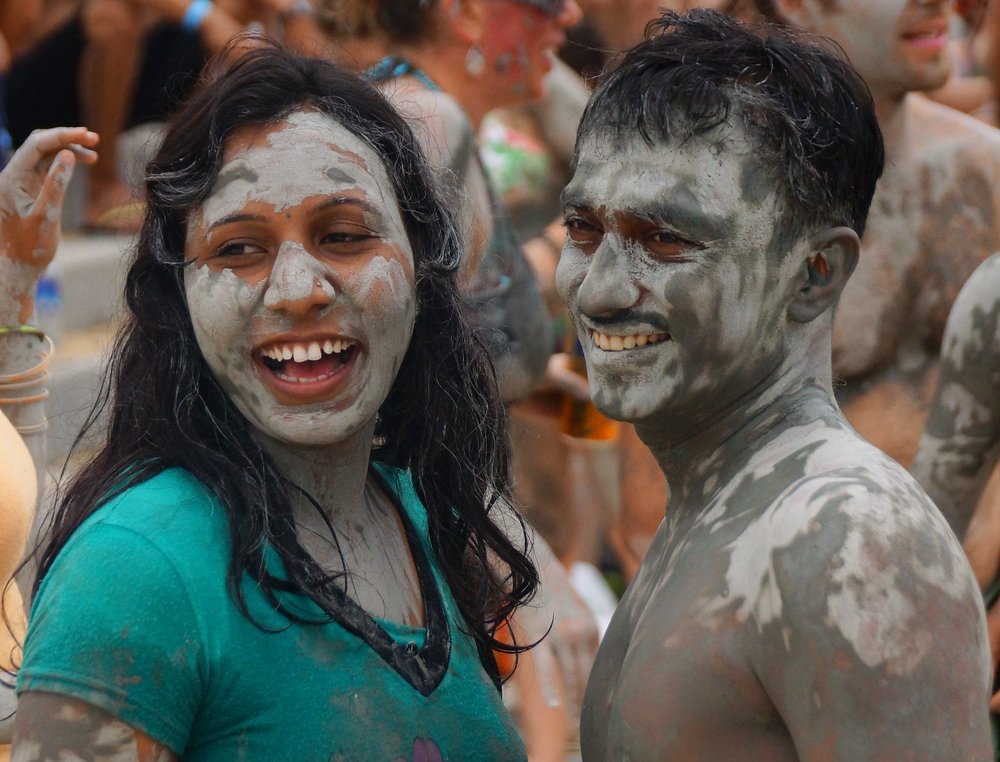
(848, 514)
(939, 131)
(850, 582)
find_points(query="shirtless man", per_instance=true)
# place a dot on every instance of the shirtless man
(934, 218)
(795, 602)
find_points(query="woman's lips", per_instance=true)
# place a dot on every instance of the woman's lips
(306, 371)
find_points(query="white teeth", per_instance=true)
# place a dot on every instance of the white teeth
(611, 343)
(302, 352)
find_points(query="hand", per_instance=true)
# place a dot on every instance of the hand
(559, 376)
(573, 638)
(32, 187)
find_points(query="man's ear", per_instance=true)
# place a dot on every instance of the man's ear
(466, 18)
(831, 258)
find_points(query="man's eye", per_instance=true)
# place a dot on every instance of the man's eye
(665, 236)
(668, 243)
(581, 231)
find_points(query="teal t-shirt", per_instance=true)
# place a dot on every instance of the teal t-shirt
(135, 617)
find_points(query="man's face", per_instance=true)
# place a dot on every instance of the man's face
(674, 275)
(897, 46)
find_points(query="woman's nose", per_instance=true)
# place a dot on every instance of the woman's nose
(299, 283)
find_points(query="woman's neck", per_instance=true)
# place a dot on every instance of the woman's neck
(446, 68)
(333, 475)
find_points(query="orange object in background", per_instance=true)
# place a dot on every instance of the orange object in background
(579, 418)
(505, 661)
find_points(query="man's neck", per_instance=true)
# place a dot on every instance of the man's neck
(704, 456)
(891, 112)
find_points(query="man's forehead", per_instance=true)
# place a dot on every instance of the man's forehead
(717, 165)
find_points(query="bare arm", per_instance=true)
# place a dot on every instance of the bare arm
(49, 726)
(961, 439)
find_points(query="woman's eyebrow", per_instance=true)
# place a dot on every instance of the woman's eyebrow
(231, 218)
(363, 203)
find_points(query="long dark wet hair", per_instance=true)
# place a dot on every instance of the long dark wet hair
(442, 420)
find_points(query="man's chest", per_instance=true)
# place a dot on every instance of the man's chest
(674, 676)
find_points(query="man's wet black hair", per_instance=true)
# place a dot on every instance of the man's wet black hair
(810, 114)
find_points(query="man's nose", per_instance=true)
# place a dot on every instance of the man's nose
(608, 287)
(299, 283)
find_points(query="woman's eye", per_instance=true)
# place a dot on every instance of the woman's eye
(237, 249)
(348, 235)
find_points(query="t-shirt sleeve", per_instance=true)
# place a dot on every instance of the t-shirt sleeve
(113, 625)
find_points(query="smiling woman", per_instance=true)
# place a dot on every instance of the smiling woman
(302, 473)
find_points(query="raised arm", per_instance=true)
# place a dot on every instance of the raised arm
(32, 187)
(960, 444)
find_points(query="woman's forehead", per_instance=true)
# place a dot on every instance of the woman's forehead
(306, 154)
(305, 130)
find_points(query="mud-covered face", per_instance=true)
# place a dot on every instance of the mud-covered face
(300, 283)
(895, 45)
(672, 273)
(520, 39)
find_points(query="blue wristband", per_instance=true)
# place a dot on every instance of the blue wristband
(195, 14)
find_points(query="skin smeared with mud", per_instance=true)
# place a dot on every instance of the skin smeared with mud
(934, 218)
(961, 442)
(301, 243)
(794, 602)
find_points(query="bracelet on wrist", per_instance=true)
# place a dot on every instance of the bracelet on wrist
(36, 428)
(24, 330)
(195, 15)
(40, 397)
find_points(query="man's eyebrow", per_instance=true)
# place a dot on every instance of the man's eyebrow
(574, 201)
(688, 218)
